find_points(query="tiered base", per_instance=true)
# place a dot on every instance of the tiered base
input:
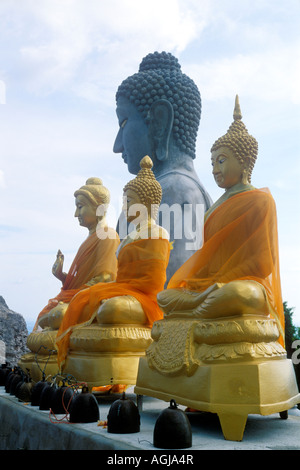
(36, 364)
(107, 355)
(230, 366)
(98, 369)
(232, 390)
(98, 355)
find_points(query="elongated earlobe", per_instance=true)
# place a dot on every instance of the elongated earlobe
(245, 175)
(160, 127)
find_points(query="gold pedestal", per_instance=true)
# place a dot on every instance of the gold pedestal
(36, 364)
(103, 369)
(230, 379)
(107, 355)
(42, 357)
(98, 355)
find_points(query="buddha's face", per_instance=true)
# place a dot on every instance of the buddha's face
(86, 212)
(227, 169)
(133, 208)
(132, 139)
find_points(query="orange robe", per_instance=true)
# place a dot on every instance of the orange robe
(94, 257)
(141, 273)
(240, 243)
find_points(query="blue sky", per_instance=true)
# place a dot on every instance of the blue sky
(61, 62)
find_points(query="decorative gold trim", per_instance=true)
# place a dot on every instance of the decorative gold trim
(243, 350)
(180, 346)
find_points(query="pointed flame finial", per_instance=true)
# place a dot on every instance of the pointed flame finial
(237, 115)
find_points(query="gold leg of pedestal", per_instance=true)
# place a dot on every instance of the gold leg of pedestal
(233, 426)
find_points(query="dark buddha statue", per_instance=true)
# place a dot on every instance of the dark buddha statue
(159, 111)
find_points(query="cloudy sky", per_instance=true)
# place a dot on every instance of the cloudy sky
(61, 62)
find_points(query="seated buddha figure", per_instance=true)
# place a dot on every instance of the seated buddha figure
(219, 347)
(94, 262)
(129, 302)
(236, 271)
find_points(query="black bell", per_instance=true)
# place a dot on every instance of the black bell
(14, 382)
(4, 371)
(46, 396)
(12, 379)
(123, 417)
(36, 392)
(24, 390)
(8, 380)
(84, 407)
(61, 399)
(172, 429)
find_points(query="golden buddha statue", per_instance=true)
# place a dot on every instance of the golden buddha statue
(107, 327)
(94, 262)
(235, 272)
(219, 347)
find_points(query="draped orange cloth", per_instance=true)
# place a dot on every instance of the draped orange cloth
(94, 256)
(141, 273)
(240, 243)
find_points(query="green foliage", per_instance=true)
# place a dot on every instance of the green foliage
(291, 331)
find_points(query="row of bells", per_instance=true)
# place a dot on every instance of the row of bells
(172, 428)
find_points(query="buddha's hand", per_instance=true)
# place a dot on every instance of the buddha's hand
(177, 301)
(103, 277)
(183, 302)
(57, 268)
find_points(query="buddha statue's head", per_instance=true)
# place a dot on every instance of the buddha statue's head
(159, 111)
(88, 199)
(237, 148)
(144, 190)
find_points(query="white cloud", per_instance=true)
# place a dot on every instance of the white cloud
(2, 180)
(78, 39)
(2, 92)
(82, 45)
(270, 75)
